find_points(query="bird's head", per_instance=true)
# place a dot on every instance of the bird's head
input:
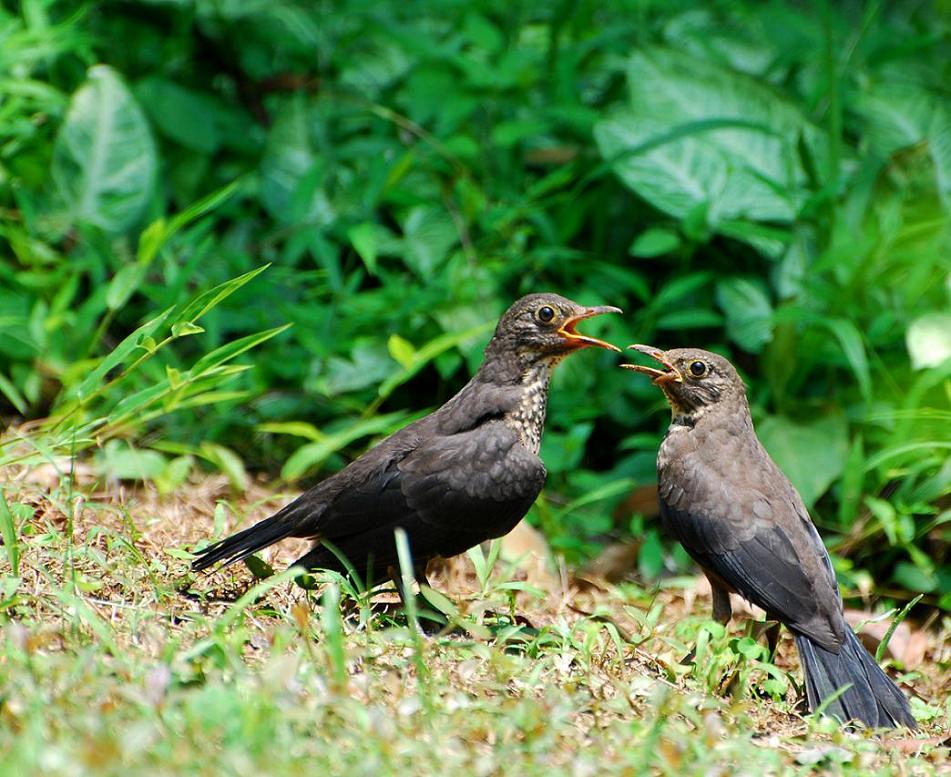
(695, 382)
(543, 327)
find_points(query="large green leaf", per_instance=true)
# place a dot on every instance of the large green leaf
(902, 115)
(104, 161)
(184, 115)
(428, 235)
(812, 454)
(292, 172)
(315, 453)
(698, 135)
(749, 313)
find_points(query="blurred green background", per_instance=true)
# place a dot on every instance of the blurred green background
(770, 180)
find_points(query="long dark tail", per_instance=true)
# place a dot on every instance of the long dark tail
(284, 523)
(872, 698)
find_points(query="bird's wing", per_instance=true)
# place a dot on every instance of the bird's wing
(480, 482)
(748, 526)
(449, 492)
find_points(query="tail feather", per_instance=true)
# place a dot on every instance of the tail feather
(872, 698)
(243, 543)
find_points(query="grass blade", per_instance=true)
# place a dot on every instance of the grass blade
(8, 531)
(896, 622)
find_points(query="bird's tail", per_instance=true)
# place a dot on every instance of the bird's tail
(872, 698)
(242, 544)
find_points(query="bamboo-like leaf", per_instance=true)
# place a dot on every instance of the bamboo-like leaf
(315, 453)
(695, 134)
(197, 307)
(427, 353)
(231, 350)
(118, 355)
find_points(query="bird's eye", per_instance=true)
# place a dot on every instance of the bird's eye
(545, 314)
(698, 369)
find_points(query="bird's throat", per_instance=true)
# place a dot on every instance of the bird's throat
(528, 417)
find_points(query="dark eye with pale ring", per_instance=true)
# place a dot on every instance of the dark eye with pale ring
(698, 369)
(545, 314)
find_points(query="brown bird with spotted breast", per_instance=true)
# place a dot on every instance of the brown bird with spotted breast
(744, 523)
(466, 473)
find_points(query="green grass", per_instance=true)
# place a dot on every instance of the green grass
(109, 668)
(768, 180)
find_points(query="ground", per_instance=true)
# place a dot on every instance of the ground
(116, 659)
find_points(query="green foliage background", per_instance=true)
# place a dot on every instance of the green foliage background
(771, 180)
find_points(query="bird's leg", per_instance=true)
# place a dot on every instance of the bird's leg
(722, 612)
(722, 609)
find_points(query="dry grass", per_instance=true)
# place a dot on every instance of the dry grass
(116, 659)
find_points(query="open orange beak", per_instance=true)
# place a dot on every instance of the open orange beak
(578, 340)
(667, 375)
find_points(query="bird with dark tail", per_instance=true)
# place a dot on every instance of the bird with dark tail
(466, 473)
(744, 523)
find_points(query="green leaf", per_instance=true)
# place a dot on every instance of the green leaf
(850, 341)
(123, 284)
(901, 115)
(363, 238)
(197, 307)
(748, 310)
(227, 461)
(174, 475)
(9, 534)
(886, 516)
(439, 602)
(690, 318)
(678, 289)
(292, 171)
(769, 241)
(853, 476)
(186, 328)
(120, 459)
(912, 578)
(313, 454)
(896, 622)
(812, 453)
(229, 351)
(104, 162)
(929, 340)
(697, 134)
(428, 234)
(401, 350)
(260, 570)
(650, 556)
(160, 232)
(296, 428)
(118, 355)
(13, 395)
(654, 242)
(174, 376)
(151, 239)
(182, 114)
(714, 629)
(334, 639)
(749, 648)
(428, 352)
(562, 451)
